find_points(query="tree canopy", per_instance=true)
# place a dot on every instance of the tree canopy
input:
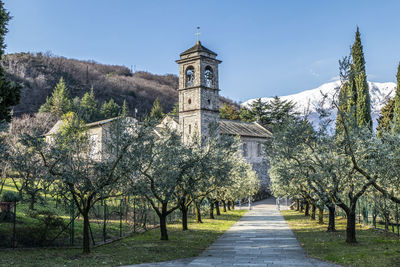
(10, 92)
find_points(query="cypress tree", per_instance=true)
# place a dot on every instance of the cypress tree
(10, 92)
(363, 106)
(396, 109)
(125, 109)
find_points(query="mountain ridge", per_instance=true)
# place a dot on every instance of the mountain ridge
(308, 100)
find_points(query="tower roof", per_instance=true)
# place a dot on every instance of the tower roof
(198, 47)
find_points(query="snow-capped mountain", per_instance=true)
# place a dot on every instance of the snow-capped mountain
(309, 100)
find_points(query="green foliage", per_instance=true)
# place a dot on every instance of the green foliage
(157, 112)
(111, 109)
(125, 109)
(47, 224)
(246, 115)
(360, 82)
(396, 110)
(89, 107)
(374, 248)
(347, 101)
(71, 132)
(229, 112)
(9, 196)
(270, 114)
(175, 110)
(354, 107)
(59, 102)
(139, 248)
(4, 19)
(386, 118)
(9, 91)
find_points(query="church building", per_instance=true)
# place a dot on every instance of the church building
(199, 107)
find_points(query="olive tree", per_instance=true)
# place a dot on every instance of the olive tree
(23, 160)
(74, 168)
(159, 163)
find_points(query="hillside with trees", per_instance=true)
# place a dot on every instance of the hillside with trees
(39, 73)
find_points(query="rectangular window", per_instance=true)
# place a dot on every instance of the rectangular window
(245, 152)
(94, 145)
(259, 150)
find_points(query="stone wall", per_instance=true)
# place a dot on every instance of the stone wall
(255, 156)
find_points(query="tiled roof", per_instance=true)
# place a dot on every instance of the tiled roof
(249, 129)
(59, 123)
(231, 127)
(198, 47)
(102, 122)
(175, 118)
(55, 128)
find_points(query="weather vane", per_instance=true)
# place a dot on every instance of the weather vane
(198, 33)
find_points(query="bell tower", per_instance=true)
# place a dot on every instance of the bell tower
(198, 91)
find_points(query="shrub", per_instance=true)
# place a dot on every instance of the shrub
(9, 196)
(42, 229)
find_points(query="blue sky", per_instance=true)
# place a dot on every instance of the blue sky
(267, 47)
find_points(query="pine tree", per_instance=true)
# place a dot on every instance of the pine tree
(363, 106)
(59, 102)
(258, 109)
(396, 109)
(278, 111)
(110, 109)
(89, 110)
(157, 112)
(246, 115)
(10, 92)
(386, 118)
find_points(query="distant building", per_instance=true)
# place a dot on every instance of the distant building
(98, 132)
(199, 107)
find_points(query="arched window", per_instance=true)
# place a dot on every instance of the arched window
(209, 76)
(245, 150)
(189, 76)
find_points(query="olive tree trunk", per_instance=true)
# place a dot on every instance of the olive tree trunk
(217, 207)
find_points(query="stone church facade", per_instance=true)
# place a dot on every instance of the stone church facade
(199, 107)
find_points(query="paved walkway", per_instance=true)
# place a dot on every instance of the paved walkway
(260, 238)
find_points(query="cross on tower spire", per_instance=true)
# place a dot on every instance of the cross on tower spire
(198, 33)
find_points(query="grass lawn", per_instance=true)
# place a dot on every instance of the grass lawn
(373, 248)
(26, 224)
(139, 248)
